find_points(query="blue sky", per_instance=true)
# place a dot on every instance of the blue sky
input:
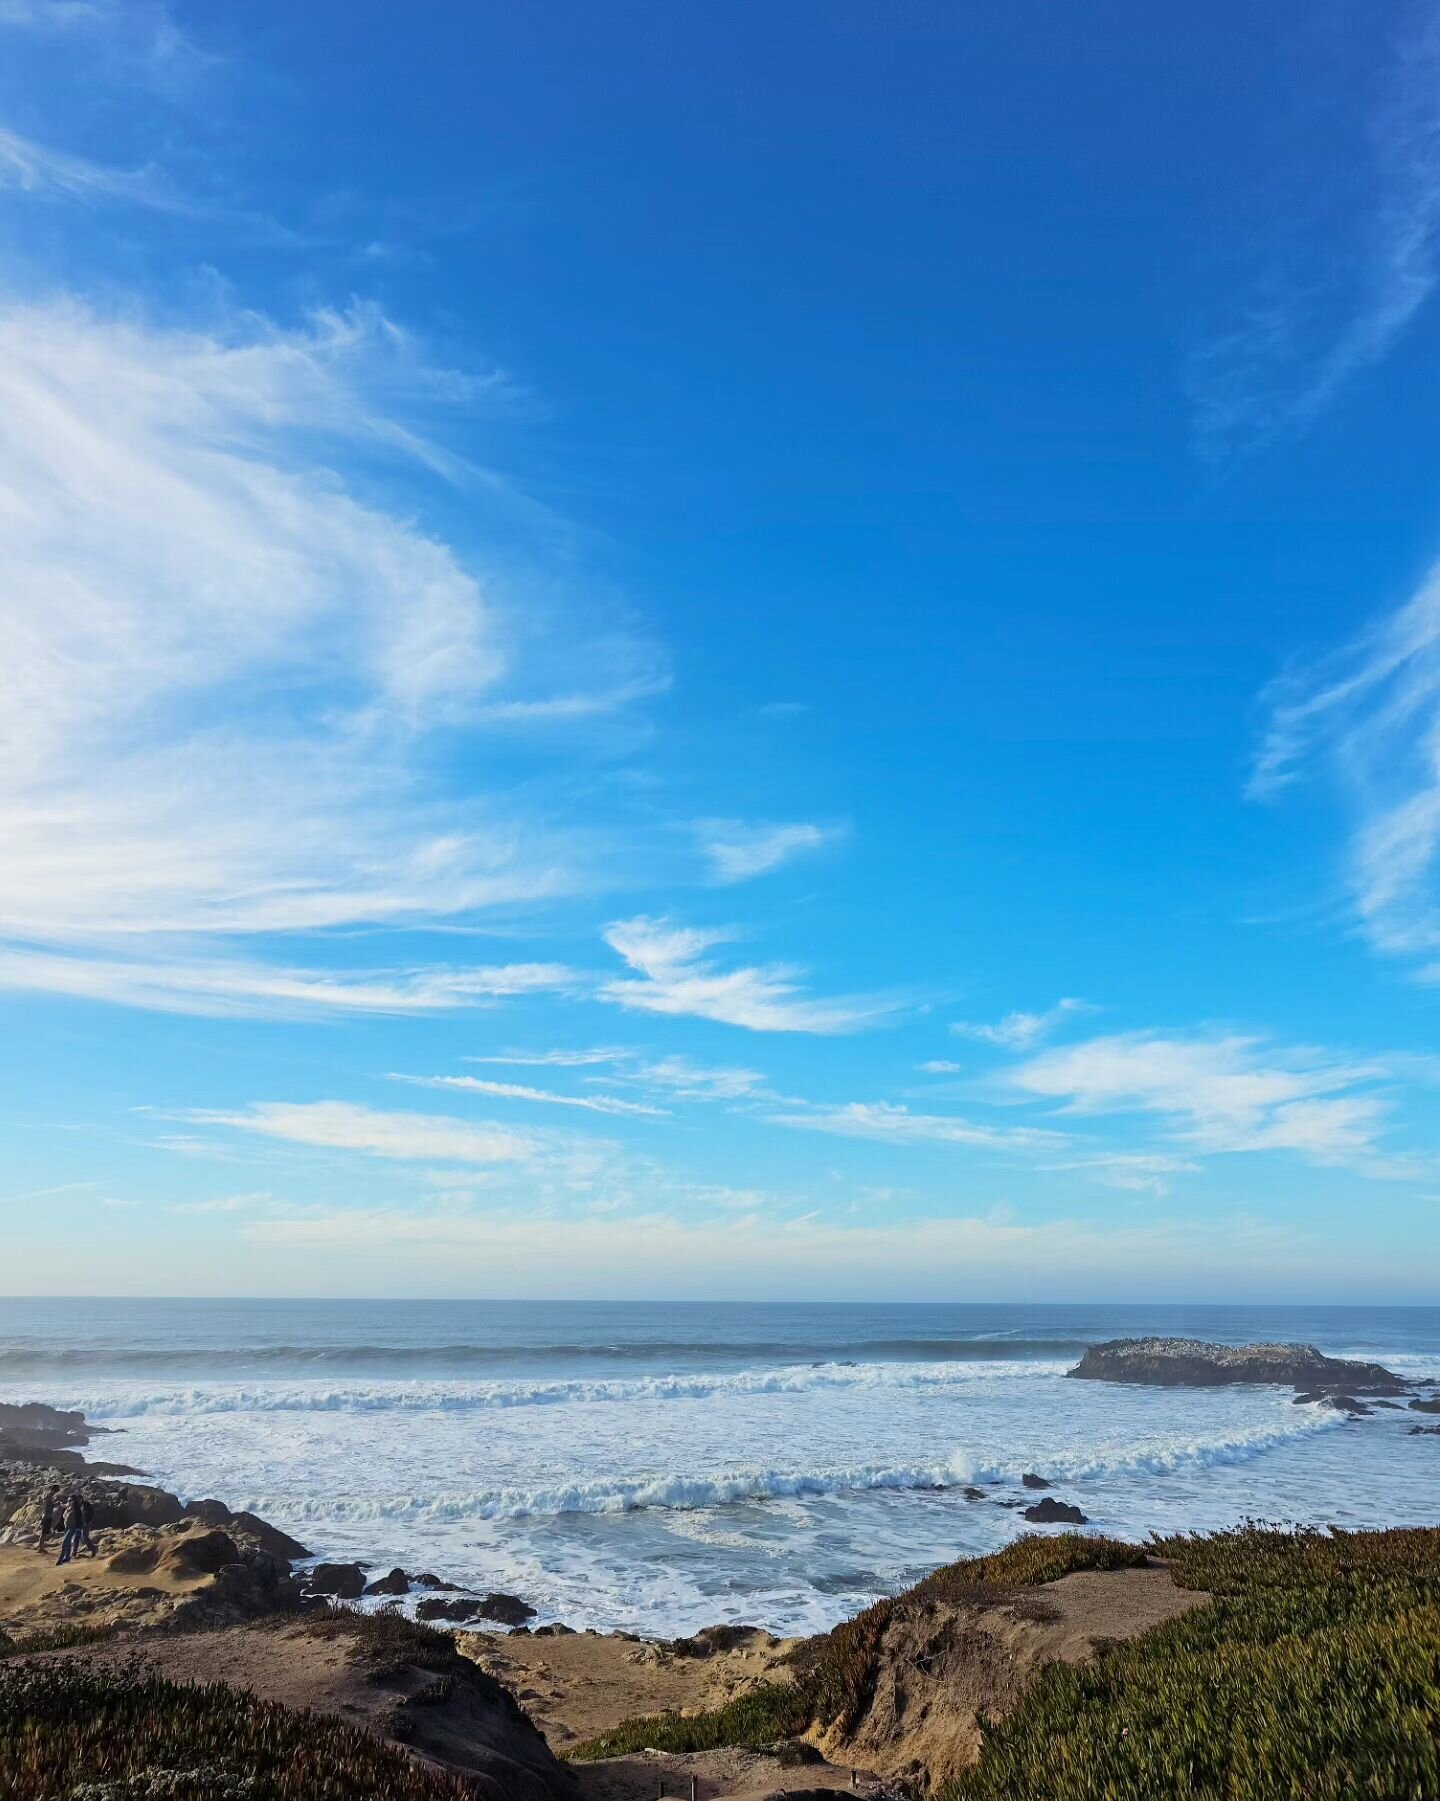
(780, 650)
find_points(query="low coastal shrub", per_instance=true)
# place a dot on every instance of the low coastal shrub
(835, 1674)
(771, 1711)
(1314, 1672)
(387, 1641)
(69, 1732)
(54, 1638)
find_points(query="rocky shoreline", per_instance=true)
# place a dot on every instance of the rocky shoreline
(198, 1591)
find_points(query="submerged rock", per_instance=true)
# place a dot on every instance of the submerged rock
(1191, 1363)
(1031, 1480)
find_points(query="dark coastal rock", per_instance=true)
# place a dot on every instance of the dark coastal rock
(267, 1537)
(558, 1629)
(1423, 1432)
(1425, 1406)
(41, 1427)
(1393, 1405)
(428, 1581)
(1051, 1512)
(259, 1533)
(396, 1583)
(1347, 1404)
(345, 1581)
(1031, 1480)
(204, 1552)
(256, 1583)
(1191, 1363)
(462, 1609)
(971, 1493)
(131, 1504)
(712, 1641)
(506, 1610)
(209, 1512)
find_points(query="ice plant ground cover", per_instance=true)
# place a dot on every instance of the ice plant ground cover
(1314, 1669)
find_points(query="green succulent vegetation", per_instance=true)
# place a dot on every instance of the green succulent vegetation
(1313, 1674)
(69, 1732)
(834, 1675)
(53, 1638)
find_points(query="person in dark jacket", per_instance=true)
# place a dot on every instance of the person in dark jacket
(74, 1528)
(52, 1512)
(87, 1519)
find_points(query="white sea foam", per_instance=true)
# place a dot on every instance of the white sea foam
(119, 1401)
(663, 1474)
(625, 1494)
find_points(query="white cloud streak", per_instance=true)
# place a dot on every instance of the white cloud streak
(238, 989)
(227, 676)
(886, 1123)
(1224, 1095)
(34, 168)
(1371, 715)
(738, 852)
(1018, 1031)
(674, 975)
(517, 1091)
(1314, 329)
(410, 1137)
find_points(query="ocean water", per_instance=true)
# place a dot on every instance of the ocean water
(662, 1467)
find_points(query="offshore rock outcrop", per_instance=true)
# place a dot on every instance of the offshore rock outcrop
(1192, 1363)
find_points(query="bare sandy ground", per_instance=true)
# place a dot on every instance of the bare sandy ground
(578, 1685)
(35, 1595)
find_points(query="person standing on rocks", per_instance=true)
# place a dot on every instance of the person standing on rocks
(51, 1513)
(87, 1519)
(74, 1528)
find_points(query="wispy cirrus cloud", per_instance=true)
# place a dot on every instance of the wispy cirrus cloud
(35, 168)
(691, 1081)
(1369, 716)
(235, 988)
(678, 1077)
(1225, 1094)
(888, 1123)
(227, 1203)
(248, 745)
(519, 1091)
(408, 1137)
(1018, 1031)
(141, 36)
(1316, 322)
(675, 974)
(737, 851)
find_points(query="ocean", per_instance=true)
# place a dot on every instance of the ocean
(659, 1468)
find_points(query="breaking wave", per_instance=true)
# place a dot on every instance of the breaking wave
(627, 1494)
(111, 1358)
(466, 1397)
